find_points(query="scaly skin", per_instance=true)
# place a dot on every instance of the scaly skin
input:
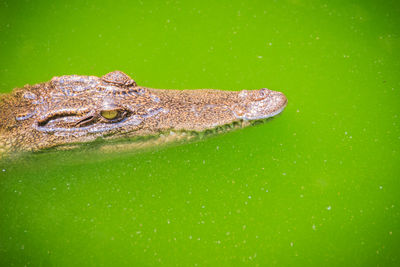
(77, 109)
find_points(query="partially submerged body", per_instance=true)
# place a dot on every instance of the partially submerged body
(77, 109)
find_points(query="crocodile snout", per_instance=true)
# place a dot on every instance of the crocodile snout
(259, 104)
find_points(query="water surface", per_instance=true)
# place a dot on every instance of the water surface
(318, 185)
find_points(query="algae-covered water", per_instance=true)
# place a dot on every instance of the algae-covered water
(319, 185)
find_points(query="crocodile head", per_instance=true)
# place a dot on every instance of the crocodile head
(76, 109)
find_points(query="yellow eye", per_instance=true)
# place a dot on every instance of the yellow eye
(109, 114)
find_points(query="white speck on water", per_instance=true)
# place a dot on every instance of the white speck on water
(204, 162)
(298, 111)
(291, 244)
(313, 227)
(54, 188)
(190, 237)
(345, 133)
(168, 221)
(284, 173)
(259, 57)
(328, 208)
(269, 43)
(203, 207)
(249, 197)
(4, 170)
(380, 187)
(228, 233)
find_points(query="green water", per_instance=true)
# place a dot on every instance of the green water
(317, 186)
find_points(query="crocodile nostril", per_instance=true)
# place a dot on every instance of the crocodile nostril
(262, 94)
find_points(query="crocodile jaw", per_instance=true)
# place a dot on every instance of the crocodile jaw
(200, 110)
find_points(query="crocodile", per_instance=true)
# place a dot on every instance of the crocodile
(75, 109)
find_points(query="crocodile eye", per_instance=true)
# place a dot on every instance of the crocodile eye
(109, 114)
